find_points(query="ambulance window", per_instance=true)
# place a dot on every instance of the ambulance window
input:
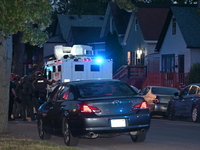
(54, 68)
(45, 73)
(49, 75)
(95, 68)
(79, 67)
(59, 68)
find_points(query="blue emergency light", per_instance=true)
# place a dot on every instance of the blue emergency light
(99, 60)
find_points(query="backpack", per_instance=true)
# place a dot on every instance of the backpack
(40, 85)
(26, 88)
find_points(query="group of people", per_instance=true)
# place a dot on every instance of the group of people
(26, 95)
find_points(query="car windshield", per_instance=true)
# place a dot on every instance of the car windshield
(164, 90)
(105, 89)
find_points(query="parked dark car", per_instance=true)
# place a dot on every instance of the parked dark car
(91, 109)
(186, 104)
(157, 98)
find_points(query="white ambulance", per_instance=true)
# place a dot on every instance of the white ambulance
(77, 63)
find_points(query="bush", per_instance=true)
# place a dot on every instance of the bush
(194, 74)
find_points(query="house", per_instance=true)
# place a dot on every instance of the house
(116, 20)
(138, 33)
(143, 32)
(178, 47)
(179, 44)
(72, 29)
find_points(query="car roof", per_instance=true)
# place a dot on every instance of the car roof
(162, 87)
(198, 84)
(91, 81)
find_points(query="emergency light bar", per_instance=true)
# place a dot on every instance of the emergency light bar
(98, 60)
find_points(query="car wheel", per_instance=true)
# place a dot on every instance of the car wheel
(138, 138)
(171, 114)
(195, 115)
(42, 133)
(68, 138)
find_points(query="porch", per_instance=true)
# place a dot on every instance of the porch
(138, 77)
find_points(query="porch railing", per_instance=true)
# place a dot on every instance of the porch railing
(165, 79)
(138, 76)
(133, 75)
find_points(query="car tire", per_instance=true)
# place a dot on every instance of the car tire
(69, 139)
(138, 138)
(195, 115)
(170, 113)
(42, 133)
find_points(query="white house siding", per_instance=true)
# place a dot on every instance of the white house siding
(175, 44)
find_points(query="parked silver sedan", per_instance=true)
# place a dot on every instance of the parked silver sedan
(158, 97)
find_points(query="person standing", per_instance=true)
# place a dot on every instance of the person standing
(12, 97)
(27, 91)
(40, 85)
(17, 111)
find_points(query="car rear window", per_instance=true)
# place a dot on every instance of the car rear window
(164, 90)
(105, 89)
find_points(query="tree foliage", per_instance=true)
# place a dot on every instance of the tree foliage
(31, 17)
(114, 50)
(194, 74)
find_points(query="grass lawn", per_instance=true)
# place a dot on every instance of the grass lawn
(29, 144)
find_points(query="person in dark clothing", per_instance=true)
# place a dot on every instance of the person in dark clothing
(12, 97)
(40, 85)
(27, 91)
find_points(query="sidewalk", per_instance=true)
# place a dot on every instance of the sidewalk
(27, 129)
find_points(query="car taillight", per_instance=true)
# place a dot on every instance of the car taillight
(89, 109)
(156, 100)
(142, 105)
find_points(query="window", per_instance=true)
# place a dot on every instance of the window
(104, 89)
(168, 63)
(136, 25)
(111, 24)
(54, 68)
(173, 26)
(95, 68)
(59, 68)
(164, 90)
(193, 90)
(64, 93)
(54, 94)
(185, 91)
(79, 67)
(144, 91)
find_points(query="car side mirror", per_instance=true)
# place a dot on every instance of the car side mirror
(176, 94)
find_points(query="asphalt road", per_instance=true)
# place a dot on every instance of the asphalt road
(163, 135)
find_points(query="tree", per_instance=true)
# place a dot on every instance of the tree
(29, 17)
(114, 50)
(194, 74)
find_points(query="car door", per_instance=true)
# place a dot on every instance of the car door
(180, 104)
(189, 100)
(64, 97)
(47, 110)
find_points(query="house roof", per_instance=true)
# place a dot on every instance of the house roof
(56, 39)
(151, 21)
(66, 21)
(120, 17)
(188, 20)
(85, 35)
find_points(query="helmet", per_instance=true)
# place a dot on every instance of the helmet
(39, 74)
